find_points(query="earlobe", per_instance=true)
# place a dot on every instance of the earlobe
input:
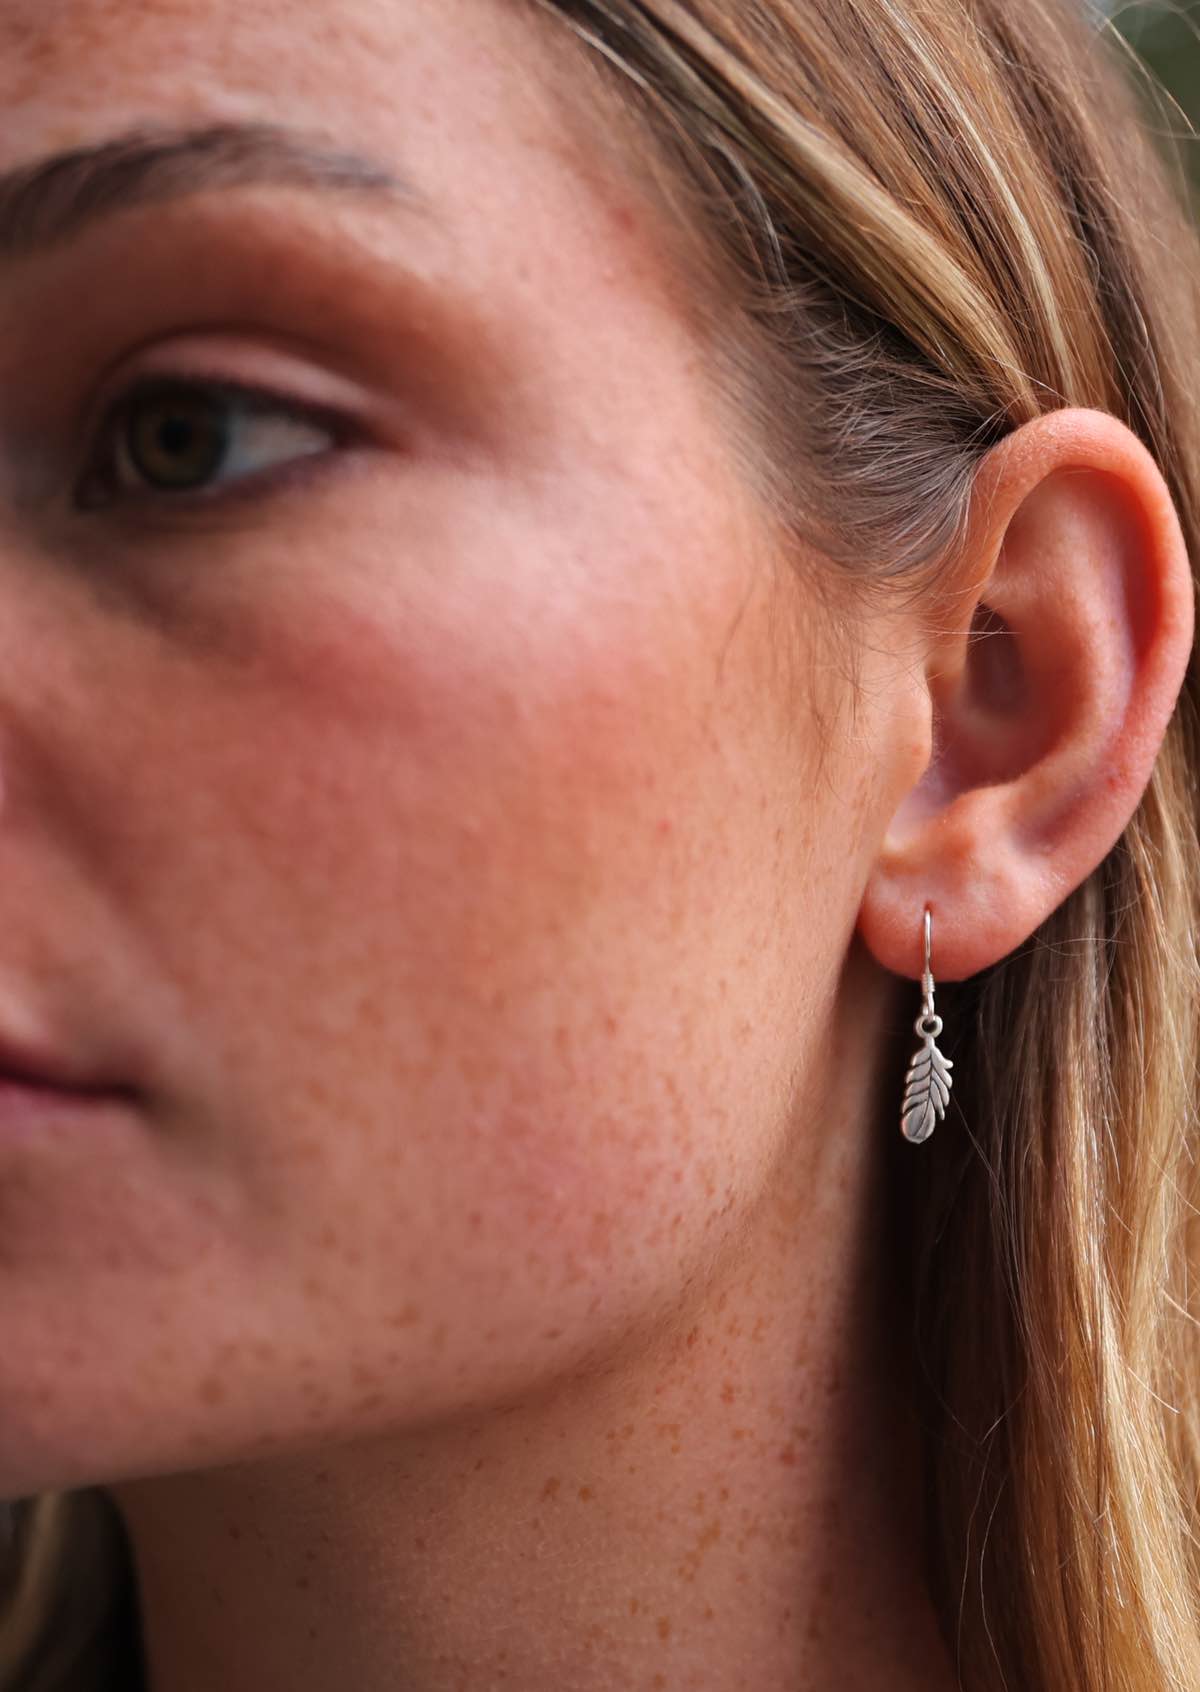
(1049, 683)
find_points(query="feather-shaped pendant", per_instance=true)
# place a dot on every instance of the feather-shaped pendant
(927, 1084)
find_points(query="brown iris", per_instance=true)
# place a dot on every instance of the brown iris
(176, 437)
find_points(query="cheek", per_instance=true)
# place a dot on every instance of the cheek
(550, 999)
(482, 918)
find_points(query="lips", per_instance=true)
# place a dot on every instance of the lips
(39, 1067)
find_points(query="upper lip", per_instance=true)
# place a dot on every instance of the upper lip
(27, 1061)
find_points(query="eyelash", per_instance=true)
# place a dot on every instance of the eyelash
(101, 469)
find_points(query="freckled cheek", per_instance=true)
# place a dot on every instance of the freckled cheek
(535, 865)
(502, 764)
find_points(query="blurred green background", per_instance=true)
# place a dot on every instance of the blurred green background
(1165, 34)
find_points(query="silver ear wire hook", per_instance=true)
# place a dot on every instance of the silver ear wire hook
(927, 1084)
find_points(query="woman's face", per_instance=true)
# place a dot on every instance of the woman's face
(405, 782)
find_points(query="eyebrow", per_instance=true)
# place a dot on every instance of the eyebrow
(53, 199)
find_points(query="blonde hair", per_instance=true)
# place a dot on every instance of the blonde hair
(910, 226)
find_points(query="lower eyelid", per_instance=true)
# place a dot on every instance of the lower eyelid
(254, 484)
(231, 504)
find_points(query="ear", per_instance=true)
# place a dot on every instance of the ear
(1042, 692)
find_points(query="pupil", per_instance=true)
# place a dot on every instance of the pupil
(177, 439)
(175, 434)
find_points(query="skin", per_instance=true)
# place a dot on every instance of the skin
(487, 1287)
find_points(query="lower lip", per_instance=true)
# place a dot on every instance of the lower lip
(31, 1107)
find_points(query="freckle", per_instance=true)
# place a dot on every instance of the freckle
(212, 1391)
(322, 1474)
(316, 1092)
(664, 1627)
(303, 1582)
(659, 1680)
(551, 1333)
(627, 1430)
(739, 1433)
(363, 1376)
(724, 1493)
(550, 1490)
(265, 1350)
(788, 1456)
(328, 1238)
(474, 1217)
(419, 1543)
(634, 1606)
(756, 1331)
(372, 1401)
(312, 1633)
(728, 1394)
(405, 1317)
(234, 1532)
(585, 1492)
(708, 1613)
(479, 1462)
(693, 1336)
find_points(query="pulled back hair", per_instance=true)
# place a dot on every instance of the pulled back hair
(905, 228)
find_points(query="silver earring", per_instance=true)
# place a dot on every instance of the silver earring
(927, 1084)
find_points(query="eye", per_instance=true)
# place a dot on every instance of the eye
(169, 438)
